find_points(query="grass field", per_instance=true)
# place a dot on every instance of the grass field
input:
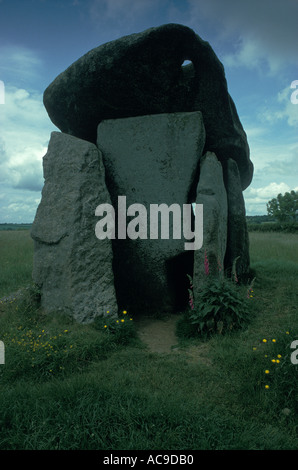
(68, 386)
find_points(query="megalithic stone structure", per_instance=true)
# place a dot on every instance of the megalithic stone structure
(112, 106)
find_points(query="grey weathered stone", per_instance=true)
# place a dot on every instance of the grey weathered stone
(237, 241)
(72, 267)
(151, 160)
(211, 193)
(142, 74)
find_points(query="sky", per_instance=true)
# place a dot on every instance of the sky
(256, 41)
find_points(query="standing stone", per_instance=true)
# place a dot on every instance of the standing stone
(238, 242)
(72, 267)
(209, 260)
(151, 160)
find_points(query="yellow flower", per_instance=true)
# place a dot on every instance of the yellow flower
(264, 340)
(105, 326)
(254, 349)
(108, 311)
(279, 355)
(124, 311)
(122, 320)
(272, 360)
(266, 371)
(274, 340)
(287, 332)
(267, 386)
(278, 361)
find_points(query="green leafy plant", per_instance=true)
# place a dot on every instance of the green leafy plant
(220, 306)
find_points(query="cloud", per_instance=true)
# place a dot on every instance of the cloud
(18, 206)
(282, 109)
(19, 65)
(256, 198)
(259, 31)
(24, 137)
(25, 132)
(124, 15)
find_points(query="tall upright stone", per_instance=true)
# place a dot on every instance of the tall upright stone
(211, 192)
(237, 242)
(72, 267)
(152, 160)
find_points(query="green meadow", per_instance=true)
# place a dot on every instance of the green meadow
(67, 386)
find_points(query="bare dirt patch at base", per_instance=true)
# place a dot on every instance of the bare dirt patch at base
(159, 335)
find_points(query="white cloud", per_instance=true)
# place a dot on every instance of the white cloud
(19, 64)
(264, 31)
(287, 110)
(256, 198)
(25, 132)
(24, 136)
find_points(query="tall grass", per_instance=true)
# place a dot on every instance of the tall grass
(16, 251)
(69, 386)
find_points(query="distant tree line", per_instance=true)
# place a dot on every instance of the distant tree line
(282, 215)
(10, 226)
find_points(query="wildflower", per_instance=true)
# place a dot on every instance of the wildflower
(274, 340)
(264, 340)
(273, 360)
(287, 332)
(122, 320)
(125, 312)
(105, 326)
(267, 371)
(267, 386)
(254, 349)
(278, 361)
(279, 356)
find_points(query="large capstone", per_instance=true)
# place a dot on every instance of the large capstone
(152, 160)
(142, 74)
(71, 266)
